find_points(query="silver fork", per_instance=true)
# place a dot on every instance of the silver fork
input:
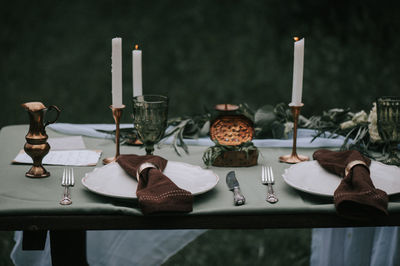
(267, 178)
(67, 182)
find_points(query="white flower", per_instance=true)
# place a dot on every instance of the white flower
(288, 128)
(373, 125)
(347, 124)
(360, 117)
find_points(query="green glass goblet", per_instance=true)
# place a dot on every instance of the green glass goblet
(388, 113)
(150, 116)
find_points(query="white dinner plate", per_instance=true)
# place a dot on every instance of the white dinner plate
(111, 180)
(312, 178)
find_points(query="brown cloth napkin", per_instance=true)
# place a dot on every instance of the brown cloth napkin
(155, 191)
(356, 196)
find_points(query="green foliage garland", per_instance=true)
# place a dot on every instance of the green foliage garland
(359, 129)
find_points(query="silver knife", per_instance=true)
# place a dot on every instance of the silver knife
(233, 185)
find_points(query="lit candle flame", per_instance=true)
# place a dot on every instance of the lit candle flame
(296, 39)
(136, 47)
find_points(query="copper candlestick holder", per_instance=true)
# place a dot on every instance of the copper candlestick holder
(117, 113)
(294, 157)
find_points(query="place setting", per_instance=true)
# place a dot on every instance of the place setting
(360, 187)
(119, 177)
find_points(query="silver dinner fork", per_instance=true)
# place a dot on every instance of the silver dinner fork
(67, 182)
(267, 178)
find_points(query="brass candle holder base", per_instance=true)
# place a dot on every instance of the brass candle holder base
(117, 113)
(294, 157)
(109, 160)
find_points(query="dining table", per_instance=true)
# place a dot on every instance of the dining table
(32, 205)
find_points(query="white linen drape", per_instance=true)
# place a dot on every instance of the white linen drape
(116, 248)
(369, 246)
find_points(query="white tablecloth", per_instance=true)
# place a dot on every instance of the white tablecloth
(350, 246)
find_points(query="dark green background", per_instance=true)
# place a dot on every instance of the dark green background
(199, 53)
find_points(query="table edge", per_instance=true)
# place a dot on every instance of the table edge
(124, 222)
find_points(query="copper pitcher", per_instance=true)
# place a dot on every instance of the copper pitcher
(36, 145)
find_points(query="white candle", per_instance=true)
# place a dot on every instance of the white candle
(298, 64)
(116, 72)
(137, 71)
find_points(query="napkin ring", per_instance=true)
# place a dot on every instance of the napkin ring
(144, 166)
(351, 164)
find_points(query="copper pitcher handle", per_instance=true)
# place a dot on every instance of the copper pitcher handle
(53, 107)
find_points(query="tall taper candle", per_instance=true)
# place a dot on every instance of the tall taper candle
(137, 71)
(298, 64)
(116, 72)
